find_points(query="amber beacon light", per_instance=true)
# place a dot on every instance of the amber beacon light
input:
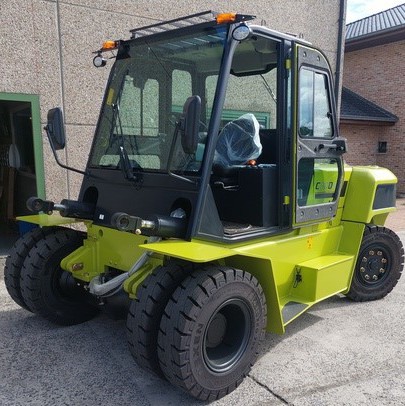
(225, 18)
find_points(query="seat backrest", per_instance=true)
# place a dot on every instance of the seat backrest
(238, 142)
(268, 139)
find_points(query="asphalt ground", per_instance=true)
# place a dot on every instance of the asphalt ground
(338, 353)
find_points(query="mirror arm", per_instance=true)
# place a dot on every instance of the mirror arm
(57, 159)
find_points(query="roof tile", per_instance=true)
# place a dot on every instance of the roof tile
(385, 20)
(356, 107)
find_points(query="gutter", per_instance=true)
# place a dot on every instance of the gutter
(375, 38)
(340, 44)
(367, 120)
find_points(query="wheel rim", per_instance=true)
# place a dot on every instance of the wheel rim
(64, 286)
(227, 335)
(374, 265)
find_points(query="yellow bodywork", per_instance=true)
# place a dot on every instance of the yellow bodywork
(296, 269)
(320, 254)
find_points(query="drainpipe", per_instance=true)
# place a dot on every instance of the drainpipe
(340, 44)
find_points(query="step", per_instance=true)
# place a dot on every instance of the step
(322, 277)
(292, 309)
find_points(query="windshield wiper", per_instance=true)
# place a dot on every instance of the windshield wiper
(269, 89)
(126, 166)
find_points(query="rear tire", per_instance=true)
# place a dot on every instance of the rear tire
(379, 265)
(211, 330)
(15, 261)
(50, 291)
(146, 311)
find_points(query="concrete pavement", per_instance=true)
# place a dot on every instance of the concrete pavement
(338, 353)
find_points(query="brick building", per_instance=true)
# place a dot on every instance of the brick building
(373, 114)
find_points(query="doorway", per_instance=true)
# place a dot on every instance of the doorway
(21, 162)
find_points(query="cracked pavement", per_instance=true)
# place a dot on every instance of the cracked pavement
(338, 353)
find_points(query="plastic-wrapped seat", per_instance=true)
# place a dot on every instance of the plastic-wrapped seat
(238, 143)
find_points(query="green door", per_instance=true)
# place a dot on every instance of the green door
(21, 156)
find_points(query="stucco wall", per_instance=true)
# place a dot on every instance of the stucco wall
(47, 44)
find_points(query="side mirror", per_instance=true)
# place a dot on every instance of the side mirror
(55, 129)
(189, 124)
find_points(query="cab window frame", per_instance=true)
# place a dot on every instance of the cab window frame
(329, 100)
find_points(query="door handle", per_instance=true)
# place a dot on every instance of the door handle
(329, 146)
(338, 145)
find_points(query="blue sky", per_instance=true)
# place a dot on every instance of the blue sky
(357, 9)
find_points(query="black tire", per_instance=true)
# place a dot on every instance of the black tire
(15, 260)
(47, 289)
(379, 265)
(146, 311)
(211, 330)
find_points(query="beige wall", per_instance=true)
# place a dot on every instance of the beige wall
(46, 49)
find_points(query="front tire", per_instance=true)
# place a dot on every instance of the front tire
(15, 261)
(379, 265)
(146, 311)
(50, 291)
(211, 330)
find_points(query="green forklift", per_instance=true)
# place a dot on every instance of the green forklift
(215, 204)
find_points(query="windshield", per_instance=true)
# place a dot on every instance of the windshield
(149, 85)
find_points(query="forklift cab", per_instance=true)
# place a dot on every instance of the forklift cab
(294, 172)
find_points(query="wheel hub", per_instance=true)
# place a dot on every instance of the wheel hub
(373, 266)
(65, 285)
(216, 330)
(227, 335)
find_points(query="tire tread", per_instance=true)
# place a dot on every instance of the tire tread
(174, 339)
(33, 282)
(146, 312)
(359, 293)
(15, 261)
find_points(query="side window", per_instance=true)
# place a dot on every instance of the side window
(252, 85)
(255, 94)
(317, 181)
(248, 128)
(314, 106)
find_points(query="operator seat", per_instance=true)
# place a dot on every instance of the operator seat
(238, 143)
(245, 195)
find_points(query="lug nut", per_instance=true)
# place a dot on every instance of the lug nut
(375, 277)
(364, 259)
(383, 260)
(379, 252)
(362, 269)
(382, 270)
(367, 277)
(371, 252)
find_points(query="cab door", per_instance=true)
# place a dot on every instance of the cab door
(319, 149)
